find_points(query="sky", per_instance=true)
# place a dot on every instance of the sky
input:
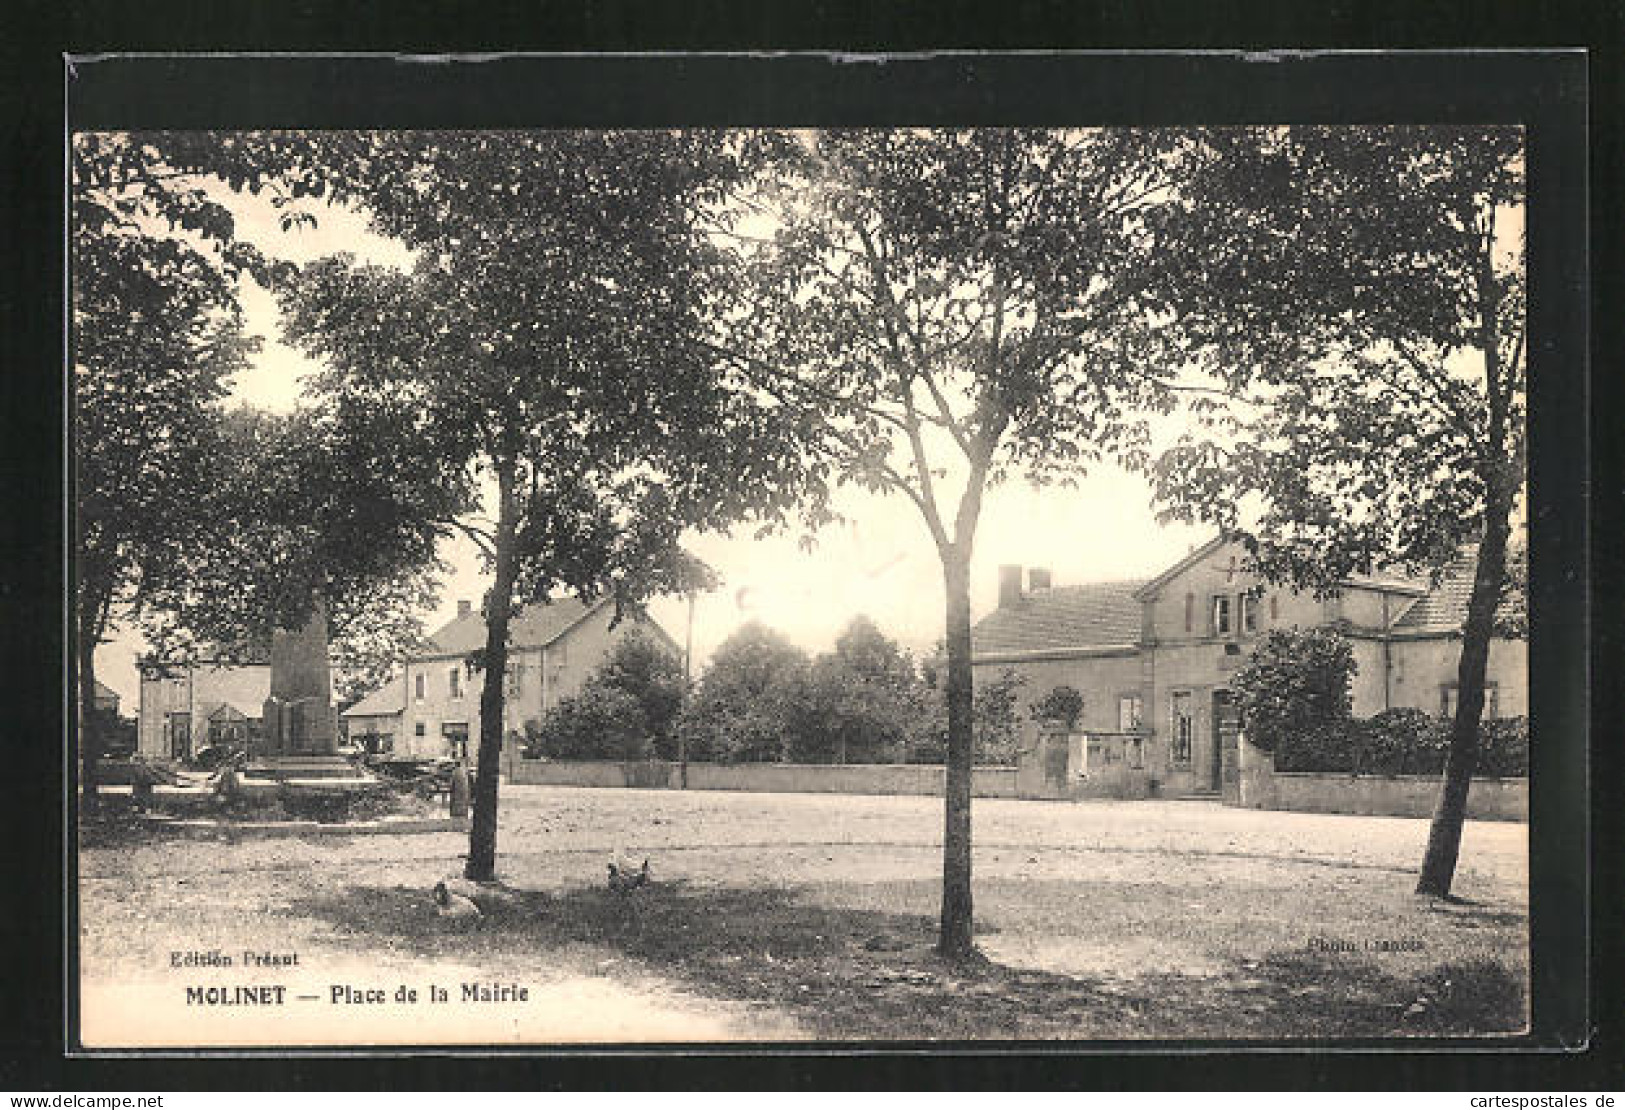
(880, 563)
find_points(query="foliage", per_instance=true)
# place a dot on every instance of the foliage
(627, 708)
(157, 332)
(860, 703)
(995, 724)
(1063, 705)
(1362, 290)
(1402, 742)
(306, 509)
(541, 353)
(741, 711)
(600, 722)
(654, 677)
(1295, 682)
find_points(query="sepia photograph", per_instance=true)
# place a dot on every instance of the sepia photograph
(786, 585)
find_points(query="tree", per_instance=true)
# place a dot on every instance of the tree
(157, 332)
(539, 354)
(1295, 681)
(306, 510)
(996, 725)
(978, 299)
(654, 678)
(741, 710)
(860, 703)
(1362, 289)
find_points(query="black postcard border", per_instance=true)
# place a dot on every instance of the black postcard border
(1546, 91)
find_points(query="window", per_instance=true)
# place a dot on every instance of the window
(456, 736)
(1249, 612)
(1184, 732)
(454, 682)
(516, 676)
(1448, 699)
(1221, 615)
(417, 729)
(1129, 709)
(1190, 611)
(418, 689)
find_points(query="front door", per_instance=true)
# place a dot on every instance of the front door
(1226, 743)
(180, 736)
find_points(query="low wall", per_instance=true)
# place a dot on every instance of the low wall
(1073, 766)
(762, 778)
(1263, 787)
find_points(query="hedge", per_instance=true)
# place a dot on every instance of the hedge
(1403, 742)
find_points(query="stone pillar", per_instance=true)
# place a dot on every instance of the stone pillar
(299, 712)
(301, 731)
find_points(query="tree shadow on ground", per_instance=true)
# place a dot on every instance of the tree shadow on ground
(856, 974)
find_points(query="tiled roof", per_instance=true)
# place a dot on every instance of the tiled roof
(535, 626)
(243, 706)
(1445, 605)
(388, 698)
(1100, 614)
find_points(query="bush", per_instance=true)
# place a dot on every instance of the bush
(1062, 705)
(995, 724)
(627, 709)
(1295, 683)
(1403, 742)
(1503, 747)
(601, 722)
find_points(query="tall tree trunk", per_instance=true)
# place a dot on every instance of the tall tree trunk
(955, 940)
(482, 837)
(90, 733)
(1444, 836)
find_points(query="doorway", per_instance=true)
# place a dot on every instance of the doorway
(1226, 737)
(180, 736)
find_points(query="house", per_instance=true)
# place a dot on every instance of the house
(553, 648)
(374, 722)
(185, 707)
(1153, 658)
(106, 699)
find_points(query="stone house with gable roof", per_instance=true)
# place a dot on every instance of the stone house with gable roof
(1153, 658)
(553, 648)
(187, 707)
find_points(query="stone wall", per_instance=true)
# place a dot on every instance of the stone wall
(1263, 787)
(763, 778)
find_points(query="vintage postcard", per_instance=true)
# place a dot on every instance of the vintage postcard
(648, 581)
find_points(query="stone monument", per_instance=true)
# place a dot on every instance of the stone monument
(300, 727)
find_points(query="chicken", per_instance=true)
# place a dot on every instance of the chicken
(623, 879)
(449, 904)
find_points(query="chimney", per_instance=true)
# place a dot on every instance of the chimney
(1009, 585)
(464, 608)
(1038, 578)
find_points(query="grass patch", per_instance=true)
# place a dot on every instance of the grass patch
(847, 973)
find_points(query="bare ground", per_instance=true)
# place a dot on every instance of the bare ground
(792, 917)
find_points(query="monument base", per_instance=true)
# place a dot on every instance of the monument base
(283, 768)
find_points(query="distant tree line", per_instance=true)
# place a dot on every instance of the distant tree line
(764, 700)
